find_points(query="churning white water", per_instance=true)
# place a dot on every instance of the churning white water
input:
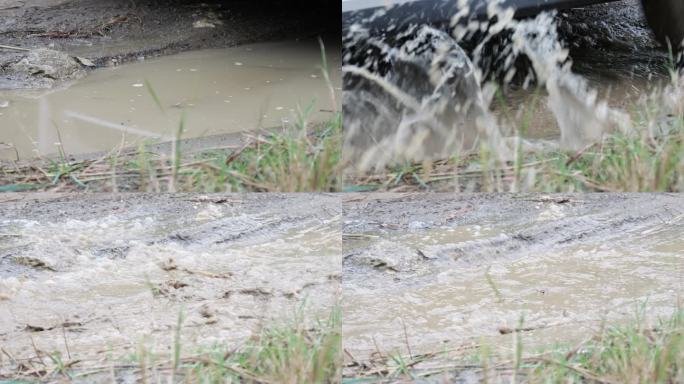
(412, 93)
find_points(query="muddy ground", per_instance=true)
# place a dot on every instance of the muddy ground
(426, 272)
(94, 277)
(112, 32)
(612, 41)
(97, 277)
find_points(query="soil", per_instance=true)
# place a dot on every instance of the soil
(612, 41)
(112, 32)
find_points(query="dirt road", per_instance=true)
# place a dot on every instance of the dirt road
(97, 277)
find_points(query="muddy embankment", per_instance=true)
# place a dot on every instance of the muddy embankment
(423, 270)
(100, 277)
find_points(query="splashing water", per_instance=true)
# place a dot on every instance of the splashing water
(415, 95)
(410, 112)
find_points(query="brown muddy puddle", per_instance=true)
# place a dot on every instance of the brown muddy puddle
(105, 285)
(432, 286)
(526, 111)
(266, 85)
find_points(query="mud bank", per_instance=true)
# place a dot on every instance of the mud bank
(98, 277)
(112, 32)
(422, 273)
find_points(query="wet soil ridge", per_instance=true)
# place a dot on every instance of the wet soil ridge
(116, 226)
(60, 34)
(118, 270)
(516, 227)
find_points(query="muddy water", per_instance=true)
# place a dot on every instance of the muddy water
(105, 284)
(457, 270)
(612, 47)
(526, 111)
(219, 91)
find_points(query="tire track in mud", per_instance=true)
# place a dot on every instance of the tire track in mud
(231, 261)
(180, 220)
(425, 270)
(519, 226)
(540, 237)
(241, 225)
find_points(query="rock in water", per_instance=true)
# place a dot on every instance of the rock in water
(47, 66)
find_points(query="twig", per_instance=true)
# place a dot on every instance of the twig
(66, 344)
(408, 346)
(579, 154)
(10, 356)
(13, 48)
(586, 374)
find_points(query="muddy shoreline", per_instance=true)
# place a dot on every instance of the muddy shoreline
(112, 32)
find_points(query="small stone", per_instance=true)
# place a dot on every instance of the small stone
(203, 23)
(84, 61)
(50, 65)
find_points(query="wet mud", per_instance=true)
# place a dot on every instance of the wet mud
(413, 273)
(112, 32)
(612, 42)
(99, 276)
(424, 272)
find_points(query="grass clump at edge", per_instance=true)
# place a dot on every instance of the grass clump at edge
(303, 157)
(628, 353)
(292, 353)
(638, 160)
